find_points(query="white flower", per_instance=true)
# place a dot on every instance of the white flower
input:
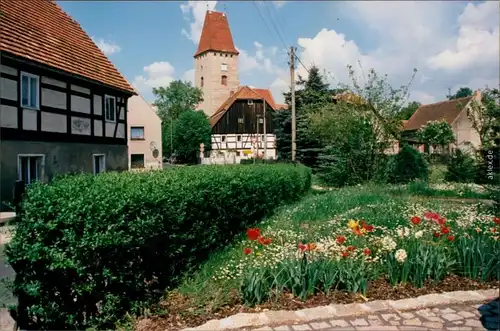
(400, 255)
(388, 244)
(419, 234)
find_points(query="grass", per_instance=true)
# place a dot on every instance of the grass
(318, 216)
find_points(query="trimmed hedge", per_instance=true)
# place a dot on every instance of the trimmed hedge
(89, 248)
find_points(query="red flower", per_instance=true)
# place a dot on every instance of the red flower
(445, 230)
(367, 227)
(264, 241)
(341, 239)
(451, 238)
(345, 254)
(496, 220)
(302, 247)
(247, 251)
(441, 220)
(416, 220)
(253, 234)
(351, 248)
(436, 234)
(431, 216)
(493, 230)
(367, 251)
(357, 231)
(311, 246)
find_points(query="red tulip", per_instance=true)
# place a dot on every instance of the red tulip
(496, 220)
(341, 239)
(351, 248)
(451, 238)
(253, 234)
(416, 220)
(345, 254)
(445, 230)
(302, 247)
(367, 251)
(247, 251)
(436, 234)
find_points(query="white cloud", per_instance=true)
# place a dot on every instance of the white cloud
(194, 12)
(278, 87)
(477, 42)
(188, 76)
(107, 47)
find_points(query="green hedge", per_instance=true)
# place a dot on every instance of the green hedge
(88, 248)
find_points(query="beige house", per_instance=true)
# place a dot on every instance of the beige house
(144, 133)
(455, 113)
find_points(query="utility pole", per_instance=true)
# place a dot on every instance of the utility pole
(449, 92)
(265, 131)
(292, 86)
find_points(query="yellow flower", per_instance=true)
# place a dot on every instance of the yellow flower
(353, 224)
(258, 254)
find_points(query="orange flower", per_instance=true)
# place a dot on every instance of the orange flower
(367, 227)
(351, 248)
(367, 251)
(311, 246)
(451, 238)
(247, 251)
(357, 231)
(345, 254)
(496, 220)
(341, 239)
(253, 234)
(416, 220)
(264, 241)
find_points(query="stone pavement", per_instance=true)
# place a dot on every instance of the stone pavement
(460, 310)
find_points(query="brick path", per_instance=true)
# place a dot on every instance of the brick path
(463, 317)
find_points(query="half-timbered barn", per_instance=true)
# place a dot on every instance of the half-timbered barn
(63, 105)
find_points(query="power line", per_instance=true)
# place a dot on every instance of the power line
(263, 20)
(274, 24)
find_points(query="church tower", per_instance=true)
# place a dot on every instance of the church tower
(216, 63)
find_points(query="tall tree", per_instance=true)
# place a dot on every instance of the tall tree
(461, 93)
(171, 101)
(406, 112)
(190, 130)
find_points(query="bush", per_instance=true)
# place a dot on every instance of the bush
(461, 169)
(89, 248)
(409, 164)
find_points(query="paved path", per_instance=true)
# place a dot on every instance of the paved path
(464, 317)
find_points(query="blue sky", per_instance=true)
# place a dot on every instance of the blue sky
(450, 43)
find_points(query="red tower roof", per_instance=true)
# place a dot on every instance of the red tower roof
(216, 35)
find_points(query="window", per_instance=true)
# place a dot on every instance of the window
(238, 153)
(238, 138)
(137, 133)
(201, 81)
(223, 80)
(250, 102)
(261, 120)
(110, 105)
(30, 97)
(99, 163)
(30, 168)
(240, 120)
(223, 138)
(201, 68)
(223, 67)
(137, 161)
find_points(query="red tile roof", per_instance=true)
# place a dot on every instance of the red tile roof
(447, 110)
(216, 35)
(41, 31)
(243, 93)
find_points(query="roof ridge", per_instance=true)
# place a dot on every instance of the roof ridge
(444, 101)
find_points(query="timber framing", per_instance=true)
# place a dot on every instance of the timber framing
(73, 86)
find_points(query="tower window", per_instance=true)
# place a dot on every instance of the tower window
(223, 80)
(223, 67)
(201, 68)
(201, 82)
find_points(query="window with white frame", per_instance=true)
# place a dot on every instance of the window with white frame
(30, 167)
(223, 67)
(137, 133)
(30, 87)
(99, 163)
(110, 106)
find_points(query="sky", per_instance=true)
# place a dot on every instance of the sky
(450, 43)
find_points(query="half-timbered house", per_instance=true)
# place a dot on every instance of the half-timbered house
(63, 105)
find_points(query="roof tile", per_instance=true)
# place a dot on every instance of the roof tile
(216, 35)
(41, 31)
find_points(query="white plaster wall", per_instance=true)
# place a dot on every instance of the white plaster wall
(98, 128)
(8, 89)
(55, 99)
(97, 105)
(80, 89)
(120, 132)
(140, 113)
(55, 82)
(464, 132)
(8, 116)
(8, 70)
(80, 104)
(80, 125)
(54, 122)
(110, 129)
(29, 119)
(232, 145)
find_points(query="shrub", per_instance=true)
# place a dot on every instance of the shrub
(90, 248)
(407, 165)
(461, 168)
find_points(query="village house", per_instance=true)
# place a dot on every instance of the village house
(62, 102)
(240, 116)
(455, 113)
(145, 135)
